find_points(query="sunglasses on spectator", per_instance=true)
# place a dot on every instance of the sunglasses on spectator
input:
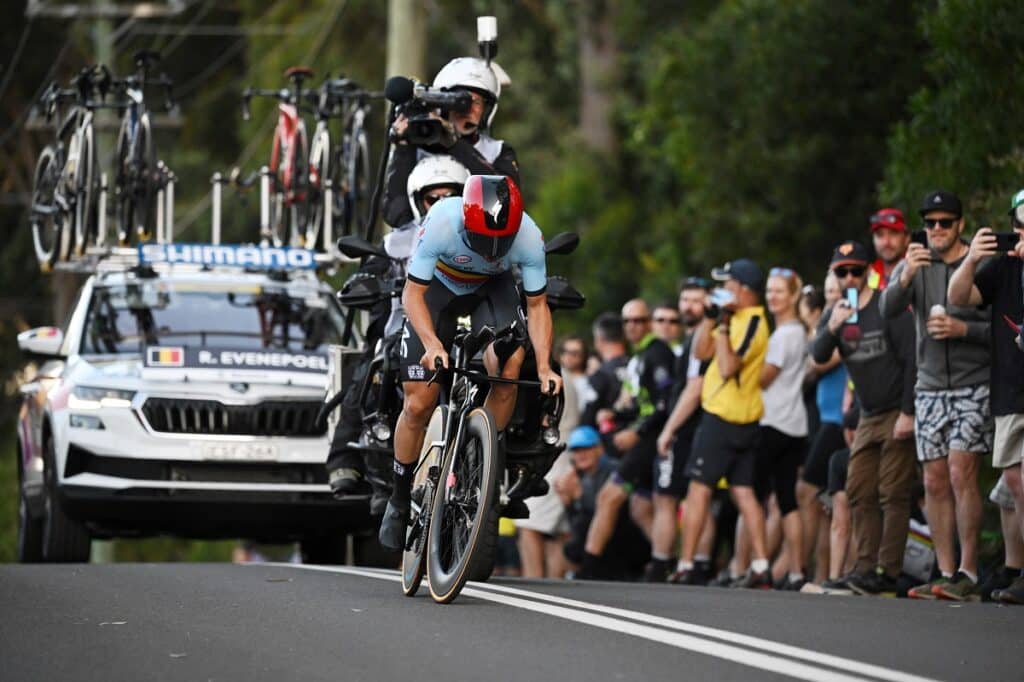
(667, 320)
(944, 223)
(844, 270)
(431, 199)
(782, 272)
(635, 320)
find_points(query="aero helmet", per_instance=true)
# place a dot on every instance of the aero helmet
(492, 210)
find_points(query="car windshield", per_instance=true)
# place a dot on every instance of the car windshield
(125, 318)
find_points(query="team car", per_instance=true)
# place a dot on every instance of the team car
(182, 397)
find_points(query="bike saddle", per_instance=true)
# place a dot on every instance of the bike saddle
(298, 72)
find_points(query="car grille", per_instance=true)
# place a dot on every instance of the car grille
(271, 418)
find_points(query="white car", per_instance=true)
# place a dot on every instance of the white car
(183, 400)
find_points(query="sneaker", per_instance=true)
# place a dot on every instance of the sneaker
(1014, 594)
(960, 588)
(755, 581)
(924, 591)
(836, 586)
(791, 585)
(999, 579)
(344, 481)
(687, 576)
(393, 526)
(656, 571)
(875, 582)
(702, 567)
(723, 579)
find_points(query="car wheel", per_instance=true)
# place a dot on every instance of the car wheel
(367, 551)
(30, 530)
(64, 539)
(329, 549)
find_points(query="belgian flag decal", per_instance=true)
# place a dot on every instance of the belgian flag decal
(165, 356)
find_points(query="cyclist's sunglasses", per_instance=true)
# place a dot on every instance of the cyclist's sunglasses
(844, 270)
(944, 223)
(431, 199)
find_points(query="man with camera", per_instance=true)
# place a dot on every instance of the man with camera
(952, 423)
(878, 354)
(733, 336)
(466, 93)
(991, 275)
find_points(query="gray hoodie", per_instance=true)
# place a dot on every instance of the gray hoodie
(948, 363)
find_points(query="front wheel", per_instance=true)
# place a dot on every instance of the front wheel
(463, 521)
(49, 236)
(64, 539)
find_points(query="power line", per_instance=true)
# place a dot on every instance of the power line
(204, 204)
(190, 28)
(16, 126)
(214, 66)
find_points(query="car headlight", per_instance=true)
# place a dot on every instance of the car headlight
(92, 398)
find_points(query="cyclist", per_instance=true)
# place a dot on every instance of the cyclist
(434, 178)
(474, 148)
(462, 265)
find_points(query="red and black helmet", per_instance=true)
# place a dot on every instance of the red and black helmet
(492, 210)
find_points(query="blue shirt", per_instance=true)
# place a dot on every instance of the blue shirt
(831, 387)
(442, 251)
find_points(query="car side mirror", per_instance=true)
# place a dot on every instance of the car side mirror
(45, 341)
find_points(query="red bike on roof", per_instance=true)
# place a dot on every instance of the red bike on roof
(289, 157)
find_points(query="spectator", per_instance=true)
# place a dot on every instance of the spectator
(890, 236)
(879, 356)
(783, 438)
(952, 420)
(665, 324)
(1013, 543)
(578, 488)
(839, 508)
(676, 438)
(645, 395)
(828, 394)
(988, 277)
(734, 337)
(604, 385)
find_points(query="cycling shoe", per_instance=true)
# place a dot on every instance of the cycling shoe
(393, 526)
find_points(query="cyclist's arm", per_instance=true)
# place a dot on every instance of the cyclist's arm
(539, 326)
(414, 300)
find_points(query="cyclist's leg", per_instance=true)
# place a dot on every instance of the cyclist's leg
(501, 399)
(499, 305)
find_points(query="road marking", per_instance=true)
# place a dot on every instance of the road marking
(667, 631)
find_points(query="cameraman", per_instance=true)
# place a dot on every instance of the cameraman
(466, 138)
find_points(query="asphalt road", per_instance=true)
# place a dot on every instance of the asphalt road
(277, 622)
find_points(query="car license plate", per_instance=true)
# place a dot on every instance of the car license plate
(238, 452)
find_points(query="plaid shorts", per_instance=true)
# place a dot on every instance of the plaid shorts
(954, 419)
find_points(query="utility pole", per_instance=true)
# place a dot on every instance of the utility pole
(407, 39)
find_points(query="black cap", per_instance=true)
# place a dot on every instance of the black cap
(941, 200)
(743, 270)
(849, 253)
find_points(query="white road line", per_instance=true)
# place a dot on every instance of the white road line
(846, 664)
(583, 612)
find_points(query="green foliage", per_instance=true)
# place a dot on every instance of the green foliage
(963, 129)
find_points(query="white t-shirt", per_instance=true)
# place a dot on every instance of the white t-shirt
(784, 400)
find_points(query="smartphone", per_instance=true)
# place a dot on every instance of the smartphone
(852, 299)
(920, 237)
(1006, 241)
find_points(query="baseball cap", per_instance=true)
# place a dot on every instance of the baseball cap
(583, 437)
(888, 218)
(941, 200)
(1015, 203)
(743, 270)
(849, 253)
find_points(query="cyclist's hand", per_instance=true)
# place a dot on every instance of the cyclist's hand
(432, 355)
(550, 381)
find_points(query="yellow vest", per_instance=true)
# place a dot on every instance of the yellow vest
(738, 399)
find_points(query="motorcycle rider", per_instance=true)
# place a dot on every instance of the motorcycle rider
(462, 264)
(434, 178)
(473, 146)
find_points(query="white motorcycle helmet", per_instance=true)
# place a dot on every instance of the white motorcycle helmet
(475, 74)
(434, 171)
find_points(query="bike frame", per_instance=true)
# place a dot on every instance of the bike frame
(290, 130)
